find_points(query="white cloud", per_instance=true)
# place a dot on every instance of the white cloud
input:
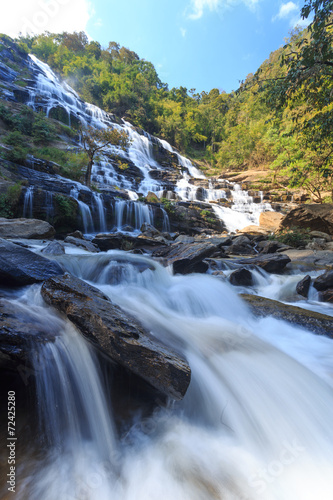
(285, 10)
(183, 32)
(37, 16)
(198, 7)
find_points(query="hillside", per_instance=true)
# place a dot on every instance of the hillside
(277, 123)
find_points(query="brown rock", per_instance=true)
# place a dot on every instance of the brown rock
(313, 217)
(270, 220)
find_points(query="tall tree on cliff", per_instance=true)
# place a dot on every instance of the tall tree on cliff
(95, 141)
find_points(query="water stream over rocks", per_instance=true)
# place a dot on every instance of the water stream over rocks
(255, 422)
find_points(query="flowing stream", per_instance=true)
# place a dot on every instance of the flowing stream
(256, 422)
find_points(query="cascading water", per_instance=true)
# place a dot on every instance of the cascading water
(87, 220)
(28, 202)
(132, 214)
(57, 94)
(255, 423)
(49, 205)
(101, 211)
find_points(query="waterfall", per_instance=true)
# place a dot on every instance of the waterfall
(166, 222)
(101, 211)
(87, 220)
(53, 93)
(133, 214)
(255, 424)
(49, 208)
(28, 202)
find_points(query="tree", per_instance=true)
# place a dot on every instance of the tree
(96, 140)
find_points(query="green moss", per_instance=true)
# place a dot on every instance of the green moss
(65, 218)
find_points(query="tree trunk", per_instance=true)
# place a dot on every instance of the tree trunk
(88, 173)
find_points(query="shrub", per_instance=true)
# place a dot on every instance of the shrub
(294, 237)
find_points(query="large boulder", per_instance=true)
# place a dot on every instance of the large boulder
(118, 335)
(26, 228)
(187, 258)
(270, 220)
(272, 263)
(314, 217)
(318, 323)
(19, 266)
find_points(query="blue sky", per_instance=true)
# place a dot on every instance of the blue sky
(201, 44)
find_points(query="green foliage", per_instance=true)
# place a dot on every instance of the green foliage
(66, 213)
(294, 237)
(168, 206)
(9, 200)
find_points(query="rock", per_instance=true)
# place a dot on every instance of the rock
(19, 266)
(324, 281)
(317, 244)
(82, 243)
(320, 234)
(271, 263)
(149, 230)
(25, 228)
(241, 245)
(254, 230)
(302, 287)
(313, 217)
(271, 246)
(327, 295)
(241, 277)
(17, 329)
(307, 259)
(54, 248)
(152, 198)
(270, 221)
(117, 335)
(320, 324)
(121, 241)
(187, 257)
(77, 234)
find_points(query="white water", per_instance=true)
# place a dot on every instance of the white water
(59, 94)
(28, 202)
(256, 422)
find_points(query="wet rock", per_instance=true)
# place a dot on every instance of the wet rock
(77, 234)
(314, 217)
(324, 281)
(54, 248)
(187, 257)
(302, 287)
(26, 228)
(118, 335)
(121, 241)
(82, 243)
(317, 323)
(272, 263)
(241, 277)
(19, 266)
(327, 295)
(17, 327)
